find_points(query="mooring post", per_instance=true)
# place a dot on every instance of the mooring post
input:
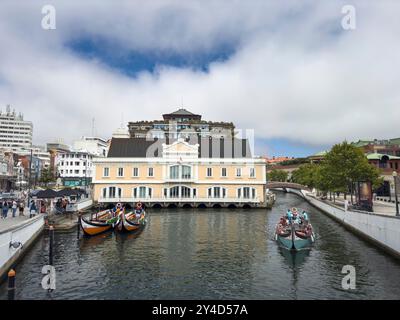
(51, 242)
(11, 284)
(79, 224)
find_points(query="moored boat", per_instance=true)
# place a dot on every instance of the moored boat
(93, 227)
(131, 222)
(101, 222)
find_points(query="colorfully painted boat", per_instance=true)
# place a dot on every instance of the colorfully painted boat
(102, 216)
(93, 227)
(99, 223)
(294, 236)
(129, 223)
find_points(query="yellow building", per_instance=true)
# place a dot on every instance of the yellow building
(161, 173)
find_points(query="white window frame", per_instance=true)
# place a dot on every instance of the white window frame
(252, 172)
(105, 193)
(118, 172)
(148, 172)
(104, 172)
(182, 172)
(209, 169)
(211, 192)
(173, 167)
(238, 172)
(252, 193)
(133, 172)
(222, 172)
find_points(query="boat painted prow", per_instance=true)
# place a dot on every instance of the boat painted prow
(92, 228)
(128, 223)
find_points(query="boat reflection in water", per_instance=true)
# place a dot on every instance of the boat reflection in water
(87, 243)
(294, 259)
(129, 236)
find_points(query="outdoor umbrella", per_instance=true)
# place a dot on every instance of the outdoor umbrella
(47, 194)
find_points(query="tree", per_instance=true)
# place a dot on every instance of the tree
(343, 166)
(294, 161)
(277, 175)
(46, 176)
(307, 175)
(346, 164)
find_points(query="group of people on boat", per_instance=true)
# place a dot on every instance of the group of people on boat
(293, 216)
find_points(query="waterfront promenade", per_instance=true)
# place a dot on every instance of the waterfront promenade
(16, 236)
(380, 207)
(10, 221)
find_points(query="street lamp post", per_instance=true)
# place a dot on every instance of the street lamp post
(395, 192)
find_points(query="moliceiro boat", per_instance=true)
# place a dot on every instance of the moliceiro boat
(98, 223)
(294, 231)
(115, 218)
(131, 221)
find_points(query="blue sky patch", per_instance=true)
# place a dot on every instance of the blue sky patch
(131, 63)
(284, 147)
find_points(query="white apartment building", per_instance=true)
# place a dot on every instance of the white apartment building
(15, 132)
(75, 167)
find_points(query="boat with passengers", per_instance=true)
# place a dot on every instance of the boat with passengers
(294, 230)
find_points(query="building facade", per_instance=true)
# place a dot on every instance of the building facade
(180, 124)
(56, 149)
(15, 132)
(7, 174)
(39, 152)
(93, 145)
(75, 168)
(176, 172)
(389, 147)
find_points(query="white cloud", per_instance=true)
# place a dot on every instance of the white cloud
(295, 74)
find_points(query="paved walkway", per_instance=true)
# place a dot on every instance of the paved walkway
(380, 207)
(10, 221)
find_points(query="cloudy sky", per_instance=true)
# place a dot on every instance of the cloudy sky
(286, 69)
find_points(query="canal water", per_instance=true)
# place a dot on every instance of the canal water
(210, 254)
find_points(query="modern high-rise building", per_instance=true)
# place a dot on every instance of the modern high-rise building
(15, 132)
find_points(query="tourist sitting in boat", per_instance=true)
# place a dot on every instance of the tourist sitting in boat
(296, 217)
(304, 216)
(289, 215)
(139, 207)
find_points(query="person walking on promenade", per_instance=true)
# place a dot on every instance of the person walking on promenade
(32, 209)
(5, 210)
(21, 208)
(14, 208)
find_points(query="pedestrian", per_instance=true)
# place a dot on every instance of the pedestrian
(14, 208)
(32, 209)
(21, 208)
(5, 210)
